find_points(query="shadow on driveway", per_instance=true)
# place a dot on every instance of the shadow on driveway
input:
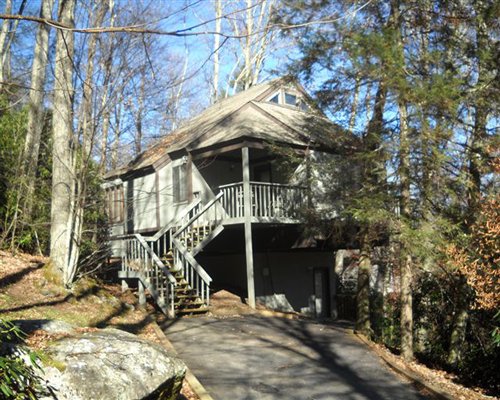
(255, 357)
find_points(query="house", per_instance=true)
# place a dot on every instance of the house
(218, 203)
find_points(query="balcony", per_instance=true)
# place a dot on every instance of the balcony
(271, 202)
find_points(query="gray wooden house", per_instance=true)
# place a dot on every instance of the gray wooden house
(218, 204)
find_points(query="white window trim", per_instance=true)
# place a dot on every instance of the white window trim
(281, 99)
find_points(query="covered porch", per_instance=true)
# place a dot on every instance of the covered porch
(252, 184)
(271, 183)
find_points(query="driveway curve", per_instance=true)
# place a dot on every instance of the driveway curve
(265, 358)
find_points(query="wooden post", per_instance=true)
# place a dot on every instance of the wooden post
(247, 209)
(123, 254)
(142, 294)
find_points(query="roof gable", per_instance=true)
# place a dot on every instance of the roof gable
(246, 114)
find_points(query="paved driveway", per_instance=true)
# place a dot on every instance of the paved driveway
(255, 357)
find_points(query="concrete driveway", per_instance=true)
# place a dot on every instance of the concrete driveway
(256, 357)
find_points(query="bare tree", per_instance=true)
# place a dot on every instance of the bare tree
(106, 67)
(63, 247)
(216, 56)
(256, 34)
(88, 126)
(3, 39)
(35, 111)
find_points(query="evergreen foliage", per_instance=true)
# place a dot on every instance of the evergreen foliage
(19, 367)
(12, 131)
(417, 82)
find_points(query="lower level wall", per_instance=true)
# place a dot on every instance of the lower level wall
(289, 273)
(116, 246)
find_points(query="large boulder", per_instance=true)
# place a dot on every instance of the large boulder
(111, 364)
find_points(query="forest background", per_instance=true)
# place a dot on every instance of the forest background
(87, 85)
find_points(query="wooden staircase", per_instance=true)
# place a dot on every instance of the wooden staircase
(186, 299)
(165, 263)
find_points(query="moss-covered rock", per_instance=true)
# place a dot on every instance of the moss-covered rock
(112, 364)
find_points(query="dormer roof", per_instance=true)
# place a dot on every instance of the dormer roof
(247, 115)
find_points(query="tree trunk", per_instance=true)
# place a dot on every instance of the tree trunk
(106, 115)
(378, 295)
(3, 38)
(457, 337)
(6, 53)
(116, 139)
(62, 243)
(406, 309)
(88, 136)
(355, 101)
(476, 157)
(218, 23)
(35, 112)
(139, 114)
(373, 177)
(88, 126)
(105, 107)
(248, 45)
(476, 152)
(406, 260)
(363, 289)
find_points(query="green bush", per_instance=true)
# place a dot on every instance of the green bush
(434, 305)
(18, 365)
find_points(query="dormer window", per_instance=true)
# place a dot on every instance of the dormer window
(289, 98)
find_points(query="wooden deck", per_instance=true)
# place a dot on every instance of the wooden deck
(271, 203)
(165, 263)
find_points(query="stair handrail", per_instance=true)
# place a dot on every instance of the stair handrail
(172, 224)
(205, 208)
(156, 259)
(151, 253)
(191, 260)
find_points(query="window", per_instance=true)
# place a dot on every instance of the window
(290, 99)
(180, 183)
(116, 202)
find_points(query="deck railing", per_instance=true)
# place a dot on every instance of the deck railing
(269, 200)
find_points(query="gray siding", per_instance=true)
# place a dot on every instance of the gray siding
(141, 203)
(288, 273)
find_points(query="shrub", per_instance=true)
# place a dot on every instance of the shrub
(18, 365)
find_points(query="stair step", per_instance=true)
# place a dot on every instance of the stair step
(199, 310)
(184, 291)
(186, 296)
(187, 300)
(181, 304)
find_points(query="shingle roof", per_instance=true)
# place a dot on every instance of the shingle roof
(242, 115)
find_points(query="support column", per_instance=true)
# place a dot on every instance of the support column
(142, 294)
(247, 208)
(123, 253)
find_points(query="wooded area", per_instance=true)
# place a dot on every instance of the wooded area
(86, 86)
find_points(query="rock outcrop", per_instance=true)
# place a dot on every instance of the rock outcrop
(111, 364)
